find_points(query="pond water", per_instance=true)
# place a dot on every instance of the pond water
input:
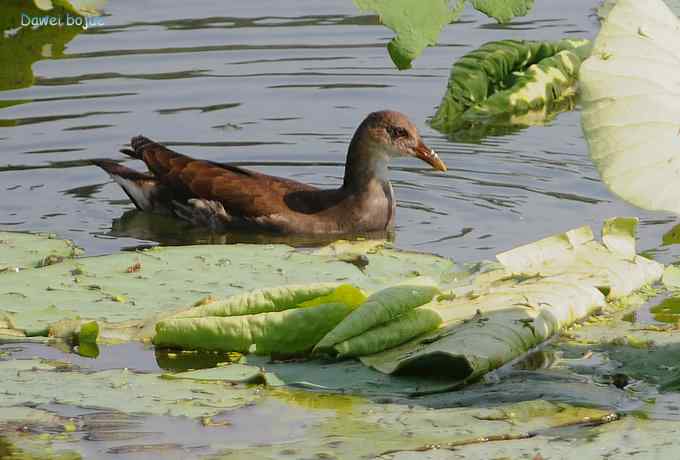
(281, 87)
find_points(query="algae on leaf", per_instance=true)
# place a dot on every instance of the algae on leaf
(630, 88)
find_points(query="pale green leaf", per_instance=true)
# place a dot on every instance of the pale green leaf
(546, 286)
(618, 234)
(35, 382)
(290, 331)
(631, 104)
(671, 277)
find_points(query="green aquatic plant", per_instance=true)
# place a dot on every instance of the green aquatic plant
(407, 324)
(510, 82)
(418, 23)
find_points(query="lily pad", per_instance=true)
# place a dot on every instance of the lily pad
(162, 281)
(37, 382)
(22, 250)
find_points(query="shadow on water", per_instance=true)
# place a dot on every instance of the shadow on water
(173, 232)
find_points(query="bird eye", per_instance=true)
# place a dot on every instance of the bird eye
(397, 132)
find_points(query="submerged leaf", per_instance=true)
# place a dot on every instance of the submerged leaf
(631, 104)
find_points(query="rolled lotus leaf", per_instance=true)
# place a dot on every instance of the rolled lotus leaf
(509, 77)
(261, 301)
(542, 84)
(290, 331)
(380, 308)
(400, 330)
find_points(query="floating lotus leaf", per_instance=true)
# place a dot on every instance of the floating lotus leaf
(544, 287)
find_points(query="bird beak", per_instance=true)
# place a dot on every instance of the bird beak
(429, 156)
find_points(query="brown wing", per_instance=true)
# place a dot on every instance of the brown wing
(242, 192)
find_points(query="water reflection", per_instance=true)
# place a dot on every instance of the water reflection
(170, 231)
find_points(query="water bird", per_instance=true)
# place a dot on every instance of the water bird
(223, 197)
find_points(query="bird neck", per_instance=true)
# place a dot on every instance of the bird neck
(366, 163)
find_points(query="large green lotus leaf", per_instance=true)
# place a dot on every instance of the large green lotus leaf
(416, 23)
(384, 265)
(380, 308)
(34, 382)
(161, 281)
(135, 285)
(510, 82)
(290, 331)
(23, 250)
(544, 287)
(631, 103)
